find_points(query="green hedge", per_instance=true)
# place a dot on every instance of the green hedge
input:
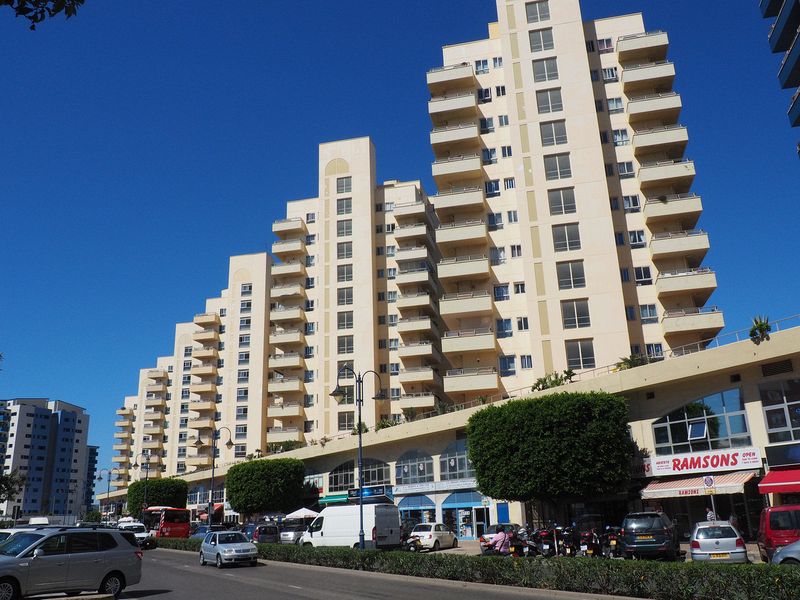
(639, 579)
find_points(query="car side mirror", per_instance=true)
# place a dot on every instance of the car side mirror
(38, 553)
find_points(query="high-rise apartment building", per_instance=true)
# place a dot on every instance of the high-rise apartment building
(563, 234)
(46, 443)
(784, 37)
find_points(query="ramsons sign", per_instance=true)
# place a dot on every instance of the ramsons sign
(705, 462)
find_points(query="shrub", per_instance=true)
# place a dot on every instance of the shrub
(160, 492)
(189, 544)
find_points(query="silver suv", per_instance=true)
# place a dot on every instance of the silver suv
(71, 560)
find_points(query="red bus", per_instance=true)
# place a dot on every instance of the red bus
(167, 522)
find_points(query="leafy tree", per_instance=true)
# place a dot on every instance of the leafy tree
(37, 11)
(260, 486)
(93, 516)
(559, 446)
(552, 380)
(363, 426)
(160, 492)
(11, 484)
(759, 332)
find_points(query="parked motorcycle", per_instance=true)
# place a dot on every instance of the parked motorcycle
(590, 544)
(412, 544)
(611, 542)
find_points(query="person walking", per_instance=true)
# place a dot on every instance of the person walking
(710, 516)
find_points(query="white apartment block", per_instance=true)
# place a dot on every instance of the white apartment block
(563, 234)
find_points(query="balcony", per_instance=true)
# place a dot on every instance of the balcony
(462, 232)
(284, 434)
(123, 424)
(664, 107)
(122, 447)
(295, 268)
(198, 460)
(648, 76)
(459, 133)
(707, 321)
(286, 337)
(296, 225)
(415, 325)
(201, 423)
(454, 106)
(677, 174)
(464, 267)
(685, 208)
(121, 459)
(454, 168)
(155, 402)
(420, 401)
(691, 244)
(206, 335)
(205, 353)
(290, 247)
(423, 349)
(203, 388)
(669, 139)
(466, 304)
(464, 341)
(124, 412)
(285, 410)
(201, 406)
(206, 320)
(785, 26)
(794, 110)
(789, 74)
(152, 444)
(156, 388)
(204, 370)
(419, 276)
(156, 374)
(287, 313)
(422, 375)
(459, 200)
(417, 253)
(153, 415)
(412, 209)
(122, 435)
(699, 283)
(770, 8)
(287, 360)
(287, 290)
(153, 429)
(285, 385)
(442, 78)
(416, 301)
(643, 46)
(482, 379)
(413, 231)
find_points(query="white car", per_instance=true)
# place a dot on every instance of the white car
(137, 529)
(433, 536)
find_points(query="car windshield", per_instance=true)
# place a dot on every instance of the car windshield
(18, 542)
(134, 528)
(293, 528)
(643, 522)
(715, 533)
(4, 535)
(231, 538)
(422, 528)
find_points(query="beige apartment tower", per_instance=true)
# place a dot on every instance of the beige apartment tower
(562, 234)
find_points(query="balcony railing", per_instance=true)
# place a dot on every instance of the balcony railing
(457, 190)
(410, 226)
(661, 163)
(693, 310)
(449, 67)
(289, 241)
(456, 224)
(462, 259)
(634, 36)
(292, 220)
(671, 198)
(469, 332)
(647, 64)
(465, 295)
(682, 272)
(472, 371)
(451, 96)
(283, 430)
(660, 128)
(452, 128)
(663, 235)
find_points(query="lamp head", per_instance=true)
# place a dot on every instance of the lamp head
(99, 478)
(135, 465)
(379, 396)
(338, 393)
(229, 444)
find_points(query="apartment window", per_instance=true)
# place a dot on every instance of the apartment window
(549, 101)
(497, 62)
(643, 276)
(625, 170)
(603, 137)
(614, 202)
(487, 124)
(311, 239)
(636, 238)
(625, 274)
(381, 296)
(501, 292)
(492, 188)
(508, 366)
(378, 229)
(598, 106)
(631, 204)
(615, 106)
(519, 287)
(187, 365)
(347, 421)
(610, 75)
(781, 405)
(344, 227)
(242, 394)
(541, 39)
(308, 351)
(620, 137)
(394, 368)
(344, 250)
(310, 260)
(308, 305)
(495, 221)
(388, 207)
(378, 207)
(619, 238)
(344, 320)
(481, 66)
(557, 166)
(390, 227)
(379, 251)
(648, 313)
(575, 314)
(526, 361)
(244, 358)
(589, 45)
(609, 170)
(184, 408)
(500, 90)
(381, 319)
(537, 11)
(484, 95)
(381, 344)
(308, 400)
(344, 206)
(308, 376)
(513, 217)
(489, 156)
(245, 306)
(630, 313)
(497, 256)
(186, 380)
(244, 322)
(344, 185)
(654, 351)
(185, 394)
(344, 273)
(580, 354)
(394, 343)
(566, 237)
(246, 289)
(391, 273)
(241, 413)
(561, 201)
(243, 376)
(522, 323)
(594, 74)
(391, 296)
(545, 69)
(311, 217)
(605, 45)
(310, 328)
(505, 151)
(516, 250)
(345, 344)
(503, 328)
(344, 296)
(502, 120)
(240, 432)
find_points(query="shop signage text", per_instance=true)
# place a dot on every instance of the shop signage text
(436, 486)
(705, 462)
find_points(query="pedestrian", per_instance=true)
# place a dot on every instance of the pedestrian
(710, 516)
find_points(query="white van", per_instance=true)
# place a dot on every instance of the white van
(339, 525)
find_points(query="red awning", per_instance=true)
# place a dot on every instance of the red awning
(787, 480)
(726, 483)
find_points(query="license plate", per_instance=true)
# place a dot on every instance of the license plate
(590, 552)
(613, 542)
(720, 555)
(644, 537)
(525, 550)
(584, 547)
(546, 546)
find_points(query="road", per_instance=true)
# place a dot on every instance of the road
(172, 575)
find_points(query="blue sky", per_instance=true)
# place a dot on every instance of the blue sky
(142, 143)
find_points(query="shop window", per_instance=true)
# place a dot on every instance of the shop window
(454, 463)
(376, 472)
(414, 467)
(781, 402)
(342, 477)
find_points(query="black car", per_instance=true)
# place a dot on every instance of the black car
(649, 535)
(262, 534)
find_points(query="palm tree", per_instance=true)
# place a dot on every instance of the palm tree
(632, 361)
(759, 332)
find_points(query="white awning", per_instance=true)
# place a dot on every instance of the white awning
(726, 483)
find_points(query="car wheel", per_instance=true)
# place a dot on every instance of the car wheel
(219, 562)
(202, 560)
(8, 590)
(308, 545)
(435, 546)
(455, 542)
(112, 585)
(791, 562)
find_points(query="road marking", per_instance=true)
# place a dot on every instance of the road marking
(297, 587)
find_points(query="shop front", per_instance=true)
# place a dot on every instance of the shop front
(783, 478)
(416, 509)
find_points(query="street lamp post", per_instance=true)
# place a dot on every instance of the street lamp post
(228, 445)
(338, 394)
(146, 466)
(108, 473)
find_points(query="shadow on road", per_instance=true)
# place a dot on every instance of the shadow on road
(144, 593)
